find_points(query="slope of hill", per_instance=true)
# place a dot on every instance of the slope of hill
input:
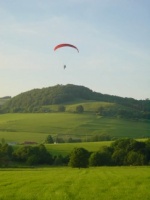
(35, 127)
(34, 100)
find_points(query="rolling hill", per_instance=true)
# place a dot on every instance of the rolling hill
(49, 99)
(32, 115)
(20, 127)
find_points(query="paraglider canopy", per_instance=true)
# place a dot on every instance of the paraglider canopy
(65, 45)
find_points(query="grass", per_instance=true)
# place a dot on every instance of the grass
(36, 127)
(107, 183)
(66, 148)
(89, 106)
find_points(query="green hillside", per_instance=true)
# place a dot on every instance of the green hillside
(48, 99)
(36, 127)
(89, 106)
(33, 115)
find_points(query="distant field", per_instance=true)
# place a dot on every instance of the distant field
(89, 106)
(35, 127)
(66, 148)
(64, 183)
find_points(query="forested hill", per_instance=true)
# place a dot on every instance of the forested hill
(62, 94)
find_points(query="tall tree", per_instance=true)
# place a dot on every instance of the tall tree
(79, 158)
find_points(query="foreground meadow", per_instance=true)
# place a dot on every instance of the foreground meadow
(107, 183)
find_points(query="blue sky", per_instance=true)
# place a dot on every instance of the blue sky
(113, 37)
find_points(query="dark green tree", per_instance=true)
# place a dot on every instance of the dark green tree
(135, 158)
(94, 159)
(32, 160)
(5, 154)
(147, 151)
(79, 109)
(22, 153)
(79, 158)
(118, 157)
(100, 158)
(49, 140)
(44, 156)
(33, 155)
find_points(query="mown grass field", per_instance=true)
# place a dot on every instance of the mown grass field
(36, 127)
(107, 183)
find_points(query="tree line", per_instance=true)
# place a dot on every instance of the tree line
(70, 139)
(122, 152)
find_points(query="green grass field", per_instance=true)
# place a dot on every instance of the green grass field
(66, 148)
(107, 183)
(36, 127)
(89, 106)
